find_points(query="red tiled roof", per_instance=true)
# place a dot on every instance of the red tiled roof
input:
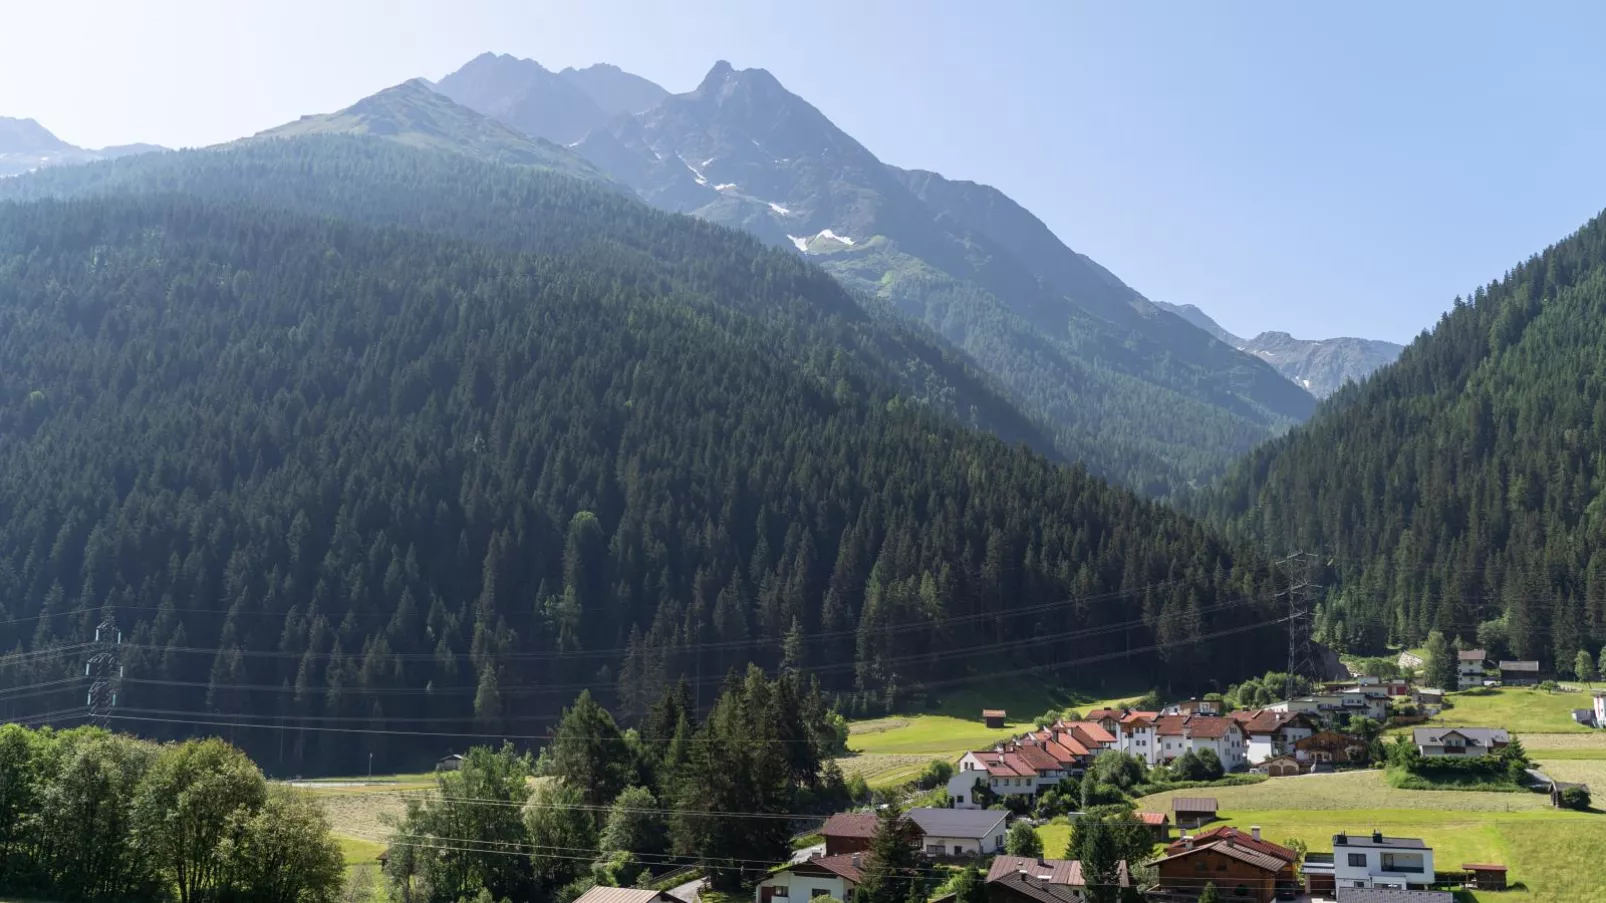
(1101, 714)
(1169, 724)
(1037, 757)
(1264, 722)
(1055, 871)
(850, 824)
(1229, 834)
(998, 766)
(1207, 726)
(1089, 733)
(1152, 818)
(1068, 747)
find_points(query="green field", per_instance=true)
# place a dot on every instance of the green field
(1519, 710)
(1558, 856)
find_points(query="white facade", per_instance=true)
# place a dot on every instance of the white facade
(790, 888)
(1468, 674)
(1137, 741)
(1377, 861)
(963, 846)
(962, 786)
(1260, 748)
(1600, 709)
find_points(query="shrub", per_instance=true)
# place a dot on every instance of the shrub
(936, 774)
(1575, 798)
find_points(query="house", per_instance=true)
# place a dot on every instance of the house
(1428, 697)
(1392, 895)
(1330, 748)
(960, 832)
(1376, 861)
(993, 718)
(624, 895)
(1600, 708)
(1019, 888)
(1158, 822)
(1519, 673)
(1178, 734)
(1132, 731)
(1239, 872)
(1193, 811)
(450, 763)
(1469, 668)
(800, 882)
(848, 832)
(1250, 839)
(1194, 707)
(1268, 734)
(1484, 876)
(1459, 741)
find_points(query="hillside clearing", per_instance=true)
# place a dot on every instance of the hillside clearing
(1519, 710)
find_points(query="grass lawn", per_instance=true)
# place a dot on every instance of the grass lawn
(359, 852)
(1520, 710)
(1559, 856)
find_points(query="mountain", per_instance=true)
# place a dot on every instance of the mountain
(1461, 488)
(1140, 394)
(415, 115)
(615, 91)
(25, 145)
(347, 430)
(1320, 366)
(524, 95)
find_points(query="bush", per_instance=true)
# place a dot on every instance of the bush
(1023, 841)
(1575, 798)
(936, 774)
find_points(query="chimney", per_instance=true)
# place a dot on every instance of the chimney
(855, 860)
(1341, 838)
(1377, 836)
(1187, 842)
(1254, 831)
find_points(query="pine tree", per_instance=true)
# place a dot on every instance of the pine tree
(892, 866)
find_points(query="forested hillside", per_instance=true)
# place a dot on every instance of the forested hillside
(1460, 489)
(336, 477)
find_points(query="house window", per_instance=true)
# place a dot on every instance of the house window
(959, 850)
(1200, 866)
(1357, 884)
(1358, 860)
(821, 892)
(778, 890)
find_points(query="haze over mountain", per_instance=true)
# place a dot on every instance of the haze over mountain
(25, 145)
(1461, 488)
(614, 90)
(527, 97)
(1321, 366)
(414, 114)
(1160, 402)
(329, 418)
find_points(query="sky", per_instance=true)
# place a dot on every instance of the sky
(1317, 168)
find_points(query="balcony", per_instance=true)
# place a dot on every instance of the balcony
(1413, 865)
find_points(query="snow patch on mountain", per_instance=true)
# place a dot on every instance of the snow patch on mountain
(801, 242)
(779, 209)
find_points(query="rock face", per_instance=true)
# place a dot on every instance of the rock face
(25, 146)
(1320, 366)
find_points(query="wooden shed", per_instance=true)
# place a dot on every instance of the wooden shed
(1483, 876)
(993, 717)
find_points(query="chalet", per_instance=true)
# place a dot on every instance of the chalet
(1377, 861)
(1459, 741)
(1428, 697)
(993, 718)
(799, 882)
(624, 895)
(1469, 666)
(1133, 731)
(1193, 811)
(1330, 748)
(1369, 701)
(848, 832)
(1519, 673)
(960, 832)
(452, 762)
(1027, 765)
(1018, 879)
(1239, 871)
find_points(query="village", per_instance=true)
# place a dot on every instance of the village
(1004, 805)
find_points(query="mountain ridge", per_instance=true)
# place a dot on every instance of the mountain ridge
(26, 145)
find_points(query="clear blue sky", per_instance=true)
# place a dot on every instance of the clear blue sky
(1338, 170)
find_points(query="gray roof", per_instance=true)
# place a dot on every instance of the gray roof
(1370, 840)
(1392, 895)
(1478, 736)
(958, 822)
(1520, 666)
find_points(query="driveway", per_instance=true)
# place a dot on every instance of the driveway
(687, 893)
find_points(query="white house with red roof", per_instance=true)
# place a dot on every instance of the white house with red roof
(1179, 734)
(1029, 764)
(1133, 731)
(1269, 734)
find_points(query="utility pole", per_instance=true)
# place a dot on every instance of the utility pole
(1299, 570)
(105, 665)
